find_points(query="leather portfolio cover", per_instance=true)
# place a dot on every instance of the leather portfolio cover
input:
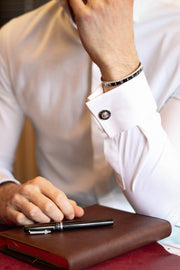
(79, 249)
(150, 257)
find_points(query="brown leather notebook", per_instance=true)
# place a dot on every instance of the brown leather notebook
(79, 249)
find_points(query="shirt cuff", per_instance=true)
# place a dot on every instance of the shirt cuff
(124, 107)
(9, 181)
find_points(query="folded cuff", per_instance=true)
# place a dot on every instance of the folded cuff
(123, 107)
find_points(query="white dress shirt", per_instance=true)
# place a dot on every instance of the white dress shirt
(46, 75)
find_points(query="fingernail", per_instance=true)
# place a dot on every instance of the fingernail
(71, 216)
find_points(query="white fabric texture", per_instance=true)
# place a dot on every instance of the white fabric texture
(46, 75)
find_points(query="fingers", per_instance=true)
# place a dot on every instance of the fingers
(53, 201)
(35, 201)
(68, 207)
(79, 212)
(30, 211)
(77, 5)
(15, 217)
(38, 200)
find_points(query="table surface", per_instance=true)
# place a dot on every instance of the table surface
(151, 257)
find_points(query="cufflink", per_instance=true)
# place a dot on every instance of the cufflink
(104, 115)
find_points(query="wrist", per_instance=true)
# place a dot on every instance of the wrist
(111, 84)
(125, 73)
(119, 71)
(8, 187)
(119, 64)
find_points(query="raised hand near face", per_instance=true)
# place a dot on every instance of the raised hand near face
(106, 31)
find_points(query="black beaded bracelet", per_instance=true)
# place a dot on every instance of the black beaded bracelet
(128, 78)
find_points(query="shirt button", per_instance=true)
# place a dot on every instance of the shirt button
(104, 115)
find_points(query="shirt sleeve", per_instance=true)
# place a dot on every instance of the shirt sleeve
(11, 116)
(138, 148)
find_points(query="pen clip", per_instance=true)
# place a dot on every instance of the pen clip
(39, 232)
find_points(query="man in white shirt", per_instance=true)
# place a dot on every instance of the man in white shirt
(47, 75)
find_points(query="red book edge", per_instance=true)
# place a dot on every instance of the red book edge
(37, 253)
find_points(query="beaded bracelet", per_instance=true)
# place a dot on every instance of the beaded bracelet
(128, 78)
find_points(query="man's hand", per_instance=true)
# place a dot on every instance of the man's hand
(35, 201)
(106, 31)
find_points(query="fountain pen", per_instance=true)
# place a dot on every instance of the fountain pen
(45, 228)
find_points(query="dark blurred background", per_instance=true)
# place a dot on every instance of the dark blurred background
(13, 8)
